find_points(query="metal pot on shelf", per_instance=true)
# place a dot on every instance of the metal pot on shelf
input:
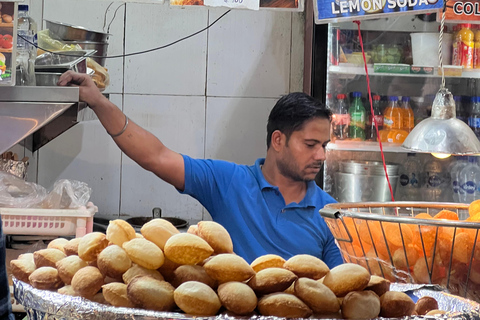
(364, 181)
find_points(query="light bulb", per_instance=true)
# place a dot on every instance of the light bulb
(441, 155)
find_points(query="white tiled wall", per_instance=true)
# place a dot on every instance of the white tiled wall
(208, 96)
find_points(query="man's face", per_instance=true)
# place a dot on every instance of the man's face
(301, 158)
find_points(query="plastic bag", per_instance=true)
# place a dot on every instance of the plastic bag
(17, 193)
(67, 194)
(47, 41)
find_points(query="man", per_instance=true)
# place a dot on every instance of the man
(270, 207)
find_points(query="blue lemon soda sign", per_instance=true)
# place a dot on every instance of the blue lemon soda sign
(348, 10)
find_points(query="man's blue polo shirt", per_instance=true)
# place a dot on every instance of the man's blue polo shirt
(254, 212)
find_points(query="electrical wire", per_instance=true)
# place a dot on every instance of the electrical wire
(114, 15)
(105, 15)
(133, 53)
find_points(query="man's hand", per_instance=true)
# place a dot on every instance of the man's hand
(89, 93)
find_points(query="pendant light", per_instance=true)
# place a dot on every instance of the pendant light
(442, 134)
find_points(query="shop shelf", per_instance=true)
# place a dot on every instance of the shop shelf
(345, 145)
(352, 70)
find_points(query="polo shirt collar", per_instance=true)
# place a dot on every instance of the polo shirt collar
(308, 201)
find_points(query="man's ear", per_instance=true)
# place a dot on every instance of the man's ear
(278, 140)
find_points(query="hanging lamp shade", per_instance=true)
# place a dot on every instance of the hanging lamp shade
(443, 133)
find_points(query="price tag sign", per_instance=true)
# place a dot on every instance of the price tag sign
(235, 4)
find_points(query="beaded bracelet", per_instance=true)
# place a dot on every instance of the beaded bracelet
(123, 130)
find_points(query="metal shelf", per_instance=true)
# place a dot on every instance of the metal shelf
(371, 146)
(350, 69)
(25, 112)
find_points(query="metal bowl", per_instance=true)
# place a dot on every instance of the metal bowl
(69, 32)
(47, 79)
(101, 48)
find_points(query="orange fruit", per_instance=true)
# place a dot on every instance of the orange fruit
(462, 249)
(394, 236)
(474, 208)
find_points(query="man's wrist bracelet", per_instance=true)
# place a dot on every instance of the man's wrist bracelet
(123, 130)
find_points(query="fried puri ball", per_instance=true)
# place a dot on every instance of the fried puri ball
(58, 243)
(115, 293)
(68, 266)
(45, 278)
(361, 305)
(23, 267)
(283, 305)
(119, 231)
(144, 253)
(216, 236)
(425, 304)
(149, 293)
(187, 273)
(396, 304)
(317, 296)
(91, 245)
(378, 285)
(139, 271)
(306, 266)
(47, 257)
(197, 299)
(345, 278)
(158, 231)
(237, 297)
(227, 267)
(71, 247)
(113, 262)
(67, 290)
(272, 280)
(87, 282)
(267, 261)
(186, 248)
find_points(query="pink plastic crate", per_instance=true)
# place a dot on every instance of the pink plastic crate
(48, 222)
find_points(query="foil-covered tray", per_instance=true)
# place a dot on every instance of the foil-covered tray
(49, 305)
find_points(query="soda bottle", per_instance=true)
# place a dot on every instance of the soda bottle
(371, 133)
(474, 118)
(465, 38)
(329, 102)
(469, 180)
(434, 182)
(410, 179)
(476, 50)
(455, 170)
(456, 60)
(393, 115)
(26, 50)
(357, 118)
(461, 114)
(408, 117)
(340, 119)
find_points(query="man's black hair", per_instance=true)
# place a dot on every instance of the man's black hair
(292, 111)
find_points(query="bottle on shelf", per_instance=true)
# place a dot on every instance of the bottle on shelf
(408, 117)
(460, 110)
(410, 179)
(474, 118)
(469, 180)
(455, 169)
(434, 182)
(393, 123)
(476, 50)
(26, 50)
(329, 102)
(357, 118)
(371, 132)
(466, 45)
(456, 60)
(340, 119)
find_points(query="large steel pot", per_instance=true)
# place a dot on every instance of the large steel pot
(70, 32)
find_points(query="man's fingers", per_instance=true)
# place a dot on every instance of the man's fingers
(69, 78)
